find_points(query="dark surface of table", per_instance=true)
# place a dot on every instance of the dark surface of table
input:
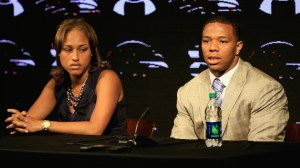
(64, 150)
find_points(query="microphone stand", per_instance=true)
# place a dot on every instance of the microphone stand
(141, 140)
(137, 123)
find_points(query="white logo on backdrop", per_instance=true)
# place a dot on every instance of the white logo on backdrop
(17, 7)
(119, 7)
(266, 5)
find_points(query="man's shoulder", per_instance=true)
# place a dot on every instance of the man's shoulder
(195, 84)
(259, 76)
(198, 79)
(258, 72)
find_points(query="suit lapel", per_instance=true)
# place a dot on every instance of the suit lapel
(233, 91)
(203, 89)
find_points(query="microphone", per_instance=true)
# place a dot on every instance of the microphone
(138, 140)
(147, 110)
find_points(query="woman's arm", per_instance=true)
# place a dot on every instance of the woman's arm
(45, 103)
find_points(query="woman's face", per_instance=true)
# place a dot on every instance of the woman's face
(75, 55)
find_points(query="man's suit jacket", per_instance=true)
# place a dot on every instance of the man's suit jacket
(254, 108)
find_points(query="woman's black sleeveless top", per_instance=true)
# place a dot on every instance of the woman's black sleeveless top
(84, 110)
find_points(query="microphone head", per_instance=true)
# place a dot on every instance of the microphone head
(148, 109)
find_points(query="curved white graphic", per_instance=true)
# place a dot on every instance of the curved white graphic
(297, 65)
(71, 7)
(266, 5)
(18, 8)
(197, 63)
(205, 7)
(135, 58)
(277, 42)
(275, 58)
(119, 7)
(12, 57)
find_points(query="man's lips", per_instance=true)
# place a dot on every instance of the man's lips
(213, 60)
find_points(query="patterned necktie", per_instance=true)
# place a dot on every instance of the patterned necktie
(218, 87)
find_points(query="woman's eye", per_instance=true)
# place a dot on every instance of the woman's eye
(66, 49)
(82, 49)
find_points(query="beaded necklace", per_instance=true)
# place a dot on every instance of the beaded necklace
(72, 99)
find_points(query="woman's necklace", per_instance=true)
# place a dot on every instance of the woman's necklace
(72, 99)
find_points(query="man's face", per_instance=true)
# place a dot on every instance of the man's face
(220, 47)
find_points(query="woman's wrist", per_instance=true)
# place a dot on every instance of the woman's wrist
(46, 124)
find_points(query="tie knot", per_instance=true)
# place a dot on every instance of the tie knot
(217, 85)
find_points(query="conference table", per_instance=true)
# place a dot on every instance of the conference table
(47, 150)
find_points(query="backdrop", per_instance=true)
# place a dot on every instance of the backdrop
(152, 44)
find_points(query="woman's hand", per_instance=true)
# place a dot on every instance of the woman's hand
(17, 121)
(21, 122)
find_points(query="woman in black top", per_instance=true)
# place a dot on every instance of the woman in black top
(83, 94)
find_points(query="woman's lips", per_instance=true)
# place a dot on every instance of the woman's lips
(75, 66)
